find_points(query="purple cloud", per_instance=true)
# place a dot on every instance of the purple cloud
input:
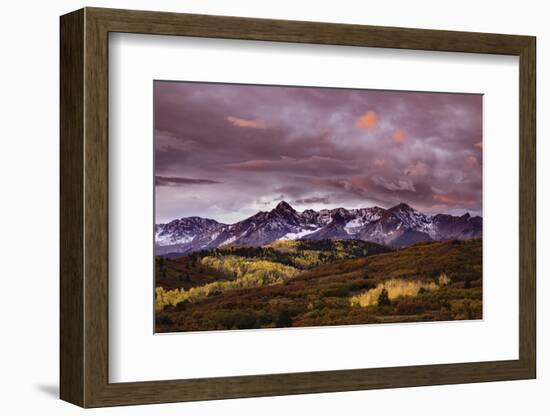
(313, 146)
(172, 181)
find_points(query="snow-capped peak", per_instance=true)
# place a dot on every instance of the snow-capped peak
(398, 225)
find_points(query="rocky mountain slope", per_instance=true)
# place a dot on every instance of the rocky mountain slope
(398, 226)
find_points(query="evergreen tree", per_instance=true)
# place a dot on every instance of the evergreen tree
(383, 298)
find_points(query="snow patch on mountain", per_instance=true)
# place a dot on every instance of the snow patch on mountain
(354, 226)
(398, 225)
(170, 239)
(299, 234)
(229, 241)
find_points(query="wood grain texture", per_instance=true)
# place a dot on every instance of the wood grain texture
(162, 23)
(84, 207)
(96, 208)
(71, 99)
(527, 207)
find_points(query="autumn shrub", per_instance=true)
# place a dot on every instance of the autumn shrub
(448, 294)
(216, 291)
(245, 320)
(336, 292)
(284, 319)
(265, 318)
(162, 319)
(182, 305)
(226, 319)
(382, 310)
(466, 309)
(360, 285)
(409, 306)
(336, 302)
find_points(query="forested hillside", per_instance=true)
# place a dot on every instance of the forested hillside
(318, 282)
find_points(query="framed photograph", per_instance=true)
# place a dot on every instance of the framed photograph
(255, 207)
(330, 206)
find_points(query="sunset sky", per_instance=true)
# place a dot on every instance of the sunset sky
(227, 151)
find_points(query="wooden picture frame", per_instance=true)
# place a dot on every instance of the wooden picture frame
(84, 207)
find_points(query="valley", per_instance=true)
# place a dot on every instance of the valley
(309, 282)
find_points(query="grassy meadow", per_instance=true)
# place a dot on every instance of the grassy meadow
(318, 282)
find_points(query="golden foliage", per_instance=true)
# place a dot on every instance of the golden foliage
(466, 309)
(322, 295)
(248, 274)
(252, 269)
(284, 245)
(311, 254)
(395, 287)
(443, 279)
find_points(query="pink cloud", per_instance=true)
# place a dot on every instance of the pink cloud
(379, 162)
(452, 199)
(471, 162)
(368, 121)
(359, 182)
(419, 169)
(313, 165)
(247, 123)
(259, 164)
(399, 136)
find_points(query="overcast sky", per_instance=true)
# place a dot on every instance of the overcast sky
(227, 151)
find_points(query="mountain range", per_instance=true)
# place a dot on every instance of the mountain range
(398, 226)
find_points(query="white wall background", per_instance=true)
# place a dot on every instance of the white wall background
(29, 85)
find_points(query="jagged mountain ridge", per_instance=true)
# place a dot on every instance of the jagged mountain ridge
(398, 226)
